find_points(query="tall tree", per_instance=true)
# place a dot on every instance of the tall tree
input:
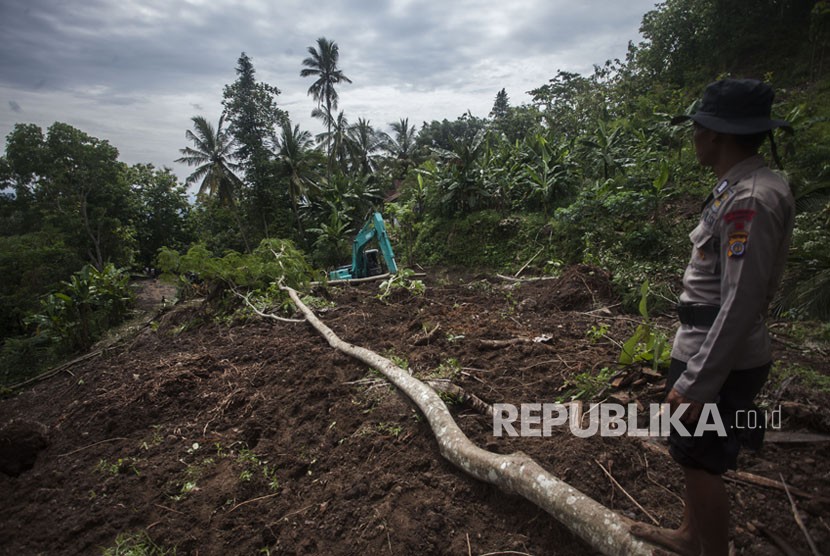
(21, 170)
(322, 64)
(251, 110)
(501, 106)
(69, 204)
(163, 211)
(443, 134)
(84, 193)
(570, 103)
(687, 42)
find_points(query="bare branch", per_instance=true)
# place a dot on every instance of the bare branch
(260, 313)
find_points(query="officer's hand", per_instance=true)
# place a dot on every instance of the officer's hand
(692, 413)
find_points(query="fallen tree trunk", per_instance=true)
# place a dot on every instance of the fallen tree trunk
(600, 527)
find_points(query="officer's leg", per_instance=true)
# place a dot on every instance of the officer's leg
(708, 506)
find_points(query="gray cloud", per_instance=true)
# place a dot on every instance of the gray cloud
(134, 71)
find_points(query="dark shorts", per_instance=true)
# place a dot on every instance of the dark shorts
(710, 451)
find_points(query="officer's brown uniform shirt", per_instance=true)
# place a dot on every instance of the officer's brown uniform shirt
(738, 255)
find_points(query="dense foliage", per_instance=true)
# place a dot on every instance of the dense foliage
(588, 171)
(69, 319)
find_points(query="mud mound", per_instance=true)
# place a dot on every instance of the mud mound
(257, 437)
(579, 288)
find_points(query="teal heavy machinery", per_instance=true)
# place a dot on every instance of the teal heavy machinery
(366, 262)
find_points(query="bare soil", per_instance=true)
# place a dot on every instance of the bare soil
(256, 437)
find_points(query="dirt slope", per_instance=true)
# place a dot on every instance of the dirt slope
(258, 438)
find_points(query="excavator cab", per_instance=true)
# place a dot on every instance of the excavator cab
(372, 260)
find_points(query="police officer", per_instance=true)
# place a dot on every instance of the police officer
(721, 353)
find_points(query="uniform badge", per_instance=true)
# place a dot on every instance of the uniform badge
(737, 244)
(721, 195)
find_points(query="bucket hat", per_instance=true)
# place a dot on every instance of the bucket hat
(735, 107)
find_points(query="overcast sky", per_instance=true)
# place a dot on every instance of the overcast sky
(134, 72)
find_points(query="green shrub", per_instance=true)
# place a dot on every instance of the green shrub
(87, 305)
(647, 345)
(400, 282)
(273, 262)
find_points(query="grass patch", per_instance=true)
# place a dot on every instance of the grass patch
(252, 465)
(121, 465)
(586, 385)
(448, 369)
(801, 374)
(136, 544)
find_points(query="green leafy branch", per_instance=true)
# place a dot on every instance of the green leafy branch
(647, 344)
(401, 281)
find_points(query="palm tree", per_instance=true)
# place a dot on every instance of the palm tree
(401, 146)
(293, 150)
(212, 155)
(322, 64)
(363, 144)
(336, 137)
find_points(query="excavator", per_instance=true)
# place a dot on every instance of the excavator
(366, 262)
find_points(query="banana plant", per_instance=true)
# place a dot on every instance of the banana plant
(461, 174)
(607, 148)
(546, 172)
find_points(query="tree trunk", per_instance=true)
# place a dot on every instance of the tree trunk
(598, 526)
(296, 209)
(96, 257)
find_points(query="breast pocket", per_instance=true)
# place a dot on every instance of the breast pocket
(705, 249)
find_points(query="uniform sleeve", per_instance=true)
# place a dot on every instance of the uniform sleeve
(749, 238)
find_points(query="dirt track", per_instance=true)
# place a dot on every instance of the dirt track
(229, 440)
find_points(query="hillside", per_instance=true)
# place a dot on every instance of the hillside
(259, 438)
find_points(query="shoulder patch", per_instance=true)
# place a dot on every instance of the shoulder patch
(721, 187)
(737, 244)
